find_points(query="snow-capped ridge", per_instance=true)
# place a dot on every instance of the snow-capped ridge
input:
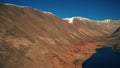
(27, 6)
(42, 11)
(47, 12)
(104, 21)
(69, 19)
(15, 5)
(107, 20)
(87, 19)
(77, 17)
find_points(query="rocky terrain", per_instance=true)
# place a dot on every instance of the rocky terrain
(31, 38)
(114, 40)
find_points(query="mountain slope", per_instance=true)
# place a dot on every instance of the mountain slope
(114, 39)
(33, 37)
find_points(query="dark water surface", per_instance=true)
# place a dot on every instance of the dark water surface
(104, 58)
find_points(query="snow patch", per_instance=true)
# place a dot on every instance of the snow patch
(15, 5)
(69, 19)
(47, 12)
(86, 19)
(72, 18)
(82, 18)
(105, 21)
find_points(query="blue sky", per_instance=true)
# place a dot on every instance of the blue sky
(93, 9)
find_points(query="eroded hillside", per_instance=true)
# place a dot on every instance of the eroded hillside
(31, 38)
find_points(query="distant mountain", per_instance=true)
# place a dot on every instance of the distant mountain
(31, 38)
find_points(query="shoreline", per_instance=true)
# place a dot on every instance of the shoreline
(77, 55)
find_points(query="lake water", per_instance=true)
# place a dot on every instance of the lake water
(104, 58)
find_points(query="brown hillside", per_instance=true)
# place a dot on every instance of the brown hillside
(35, 39)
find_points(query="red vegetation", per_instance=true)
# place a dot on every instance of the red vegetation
(75, 56)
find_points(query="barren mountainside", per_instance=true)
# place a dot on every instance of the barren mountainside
(31, 38)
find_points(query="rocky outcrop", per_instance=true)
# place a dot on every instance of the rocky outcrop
(114, 39)
(31, 38)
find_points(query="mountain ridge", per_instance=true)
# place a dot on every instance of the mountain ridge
(54, 14)
(29, 38)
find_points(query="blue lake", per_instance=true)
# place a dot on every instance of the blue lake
(104, 58)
